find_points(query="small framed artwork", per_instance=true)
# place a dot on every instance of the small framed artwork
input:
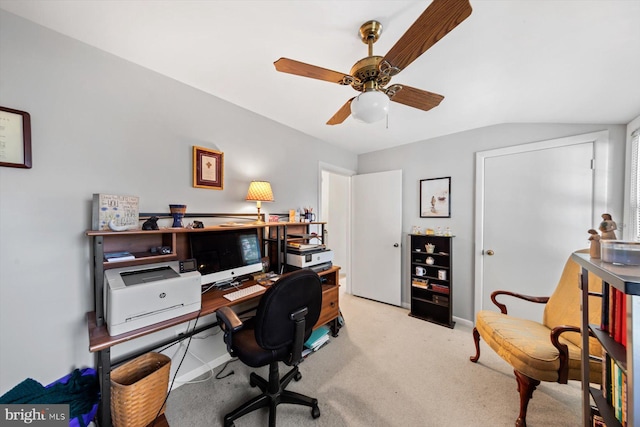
(15, 138)
(208, 168)
(435, 198)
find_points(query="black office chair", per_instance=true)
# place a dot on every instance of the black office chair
(284, 318)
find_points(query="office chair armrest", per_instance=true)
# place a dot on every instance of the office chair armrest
(298, 317)
(228, 319)
(229, 323)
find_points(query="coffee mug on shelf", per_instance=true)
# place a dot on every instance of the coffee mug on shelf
(420, 271)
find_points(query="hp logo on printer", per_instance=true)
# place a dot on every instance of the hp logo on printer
(162, 295)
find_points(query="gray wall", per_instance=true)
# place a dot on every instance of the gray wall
(103, 125)
(454, 156)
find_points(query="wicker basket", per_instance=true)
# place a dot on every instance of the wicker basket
(138, 390)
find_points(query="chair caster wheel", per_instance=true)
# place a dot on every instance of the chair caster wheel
(298, 376)
(315, 412)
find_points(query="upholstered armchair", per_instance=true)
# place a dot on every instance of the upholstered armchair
(549, 350)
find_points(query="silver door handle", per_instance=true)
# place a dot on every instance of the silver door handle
(395, 245)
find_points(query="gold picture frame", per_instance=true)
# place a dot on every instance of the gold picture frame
(15, 138)
(208, 168)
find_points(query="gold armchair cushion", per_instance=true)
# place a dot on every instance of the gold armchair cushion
(526, 345)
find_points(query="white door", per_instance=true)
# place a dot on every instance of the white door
(376, 224)
(535, 207)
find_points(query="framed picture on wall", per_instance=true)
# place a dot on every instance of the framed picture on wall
(208, 168)
(15, 138)
(435, 198)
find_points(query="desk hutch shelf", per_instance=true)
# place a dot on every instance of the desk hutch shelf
(627, 280)
(176, 245)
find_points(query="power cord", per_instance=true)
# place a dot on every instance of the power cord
(177, 370)
(218, 377)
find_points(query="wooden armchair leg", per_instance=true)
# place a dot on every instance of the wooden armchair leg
(526, 386)
(476, 339)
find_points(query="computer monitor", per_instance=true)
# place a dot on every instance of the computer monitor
(222, 256)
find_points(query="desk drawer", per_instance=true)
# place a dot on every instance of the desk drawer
(330, 308)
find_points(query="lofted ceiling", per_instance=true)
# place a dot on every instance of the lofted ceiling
(516, 61)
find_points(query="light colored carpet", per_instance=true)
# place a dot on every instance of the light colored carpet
(387, 369)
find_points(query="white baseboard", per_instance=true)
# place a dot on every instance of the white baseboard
(464, 322)
(458, 320)
(203, 369)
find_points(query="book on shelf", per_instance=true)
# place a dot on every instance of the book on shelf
(440, 288)
(604, 316)
(620, 315)
(118, 256)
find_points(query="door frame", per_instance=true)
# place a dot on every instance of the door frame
(328, 167)
(599, 139)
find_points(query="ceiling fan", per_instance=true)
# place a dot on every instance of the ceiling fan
(372, 75)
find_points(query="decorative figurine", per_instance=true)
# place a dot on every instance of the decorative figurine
(608, 227)
(177, 212)
(198, 224)
(151, 224)
(594, 249)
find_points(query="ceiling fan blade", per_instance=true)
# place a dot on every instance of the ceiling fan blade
(435, 22)
(298, 68)
(342, 114)
(416, 98)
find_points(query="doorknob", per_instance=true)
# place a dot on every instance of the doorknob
(490, 252)
(395, 245)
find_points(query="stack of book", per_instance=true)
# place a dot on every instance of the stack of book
(318, 338)
(118, 256)
(420, 283)
(304, 247)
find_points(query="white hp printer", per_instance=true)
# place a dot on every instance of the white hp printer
(309, 259)
(135, 297)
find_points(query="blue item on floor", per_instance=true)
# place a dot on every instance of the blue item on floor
(79, 389)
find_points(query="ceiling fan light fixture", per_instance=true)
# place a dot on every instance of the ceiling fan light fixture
(370, 106)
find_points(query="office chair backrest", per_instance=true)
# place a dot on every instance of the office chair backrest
(273, 327)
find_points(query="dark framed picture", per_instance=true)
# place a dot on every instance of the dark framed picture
(435, 198)
(15, 138)
(208, 168)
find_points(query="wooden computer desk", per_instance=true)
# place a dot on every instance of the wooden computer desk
(100, 342)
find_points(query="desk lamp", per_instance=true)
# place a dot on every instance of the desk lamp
(260, 191)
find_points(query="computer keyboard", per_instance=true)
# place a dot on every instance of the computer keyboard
(245, 292)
